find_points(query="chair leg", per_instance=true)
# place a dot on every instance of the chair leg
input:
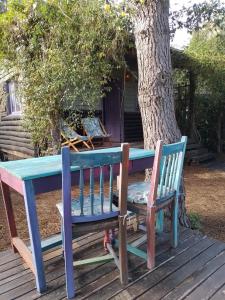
(74, 148)
(174, 217)
(106, 240)
(68, 256)
(86, 145)
(150, 224)
(112, 237)
(90, 141)
(62, 236)
(160, 221)
(123, 251)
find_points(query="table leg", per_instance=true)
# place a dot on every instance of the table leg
(9, 212)
(32, 221)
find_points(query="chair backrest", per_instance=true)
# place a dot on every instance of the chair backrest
(97, 165)
(92, 127)
(167, 169)
(68, 131)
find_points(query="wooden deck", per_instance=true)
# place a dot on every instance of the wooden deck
(194, 270)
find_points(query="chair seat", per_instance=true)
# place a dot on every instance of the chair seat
(138, 192)
(75, 206)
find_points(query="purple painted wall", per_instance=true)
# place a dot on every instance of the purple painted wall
(113, 112)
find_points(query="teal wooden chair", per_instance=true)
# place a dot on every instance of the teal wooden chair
(95, 212)
(149, 198)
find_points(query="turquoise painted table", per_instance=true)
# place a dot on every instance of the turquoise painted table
(33, 176)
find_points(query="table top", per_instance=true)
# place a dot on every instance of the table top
(31, 168)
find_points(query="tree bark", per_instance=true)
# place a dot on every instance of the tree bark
(219, 132)
(55, 132)
(155, 89)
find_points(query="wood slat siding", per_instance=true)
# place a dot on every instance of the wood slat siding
(14, 139)
(194, 270)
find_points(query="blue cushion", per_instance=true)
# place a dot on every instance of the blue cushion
(138, 192)
(75, 206)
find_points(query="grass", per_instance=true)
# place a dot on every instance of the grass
(194, 220)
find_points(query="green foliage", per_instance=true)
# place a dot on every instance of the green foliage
(197, 16)
(180, 77)
(194, 220)
(207, 50)
(64, 53)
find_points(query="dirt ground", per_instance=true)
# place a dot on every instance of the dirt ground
(205, 196)
(205, 190)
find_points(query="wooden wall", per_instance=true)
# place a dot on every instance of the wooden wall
(15, 141)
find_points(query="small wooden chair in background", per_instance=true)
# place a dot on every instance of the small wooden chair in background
(94, 129)
(95, 212)
(149, 198)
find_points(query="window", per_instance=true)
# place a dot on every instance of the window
(14, 106)
(2, 6)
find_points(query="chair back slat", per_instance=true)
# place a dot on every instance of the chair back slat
(172, 171)
(167, 171)
(162, 176)
(102, 189)
(92, 190)
(175, 168)
(171, 166)
(81, 186)
(110, 186)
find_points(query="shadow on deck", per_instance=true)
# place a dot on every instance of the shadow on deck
(194, 270)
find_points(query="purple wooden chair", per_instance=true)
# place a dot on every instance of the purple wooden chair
(95, 212)
(148, 198)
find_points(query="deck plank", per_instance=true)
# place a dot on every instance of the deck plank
(102, 289)
(51, 258)
(55, 273)
(220, 294)
(83, 275)
(8, 257)
(151, 278)
(166, 285)
(209, 286)
(196, 278)
(194, 270)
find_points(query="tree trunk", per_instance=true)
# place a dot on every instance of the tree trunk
(55, 133)
(155, 89)
(219, 132)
